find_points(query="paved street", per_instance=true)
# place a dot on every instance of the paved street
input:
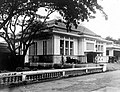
(101, 82)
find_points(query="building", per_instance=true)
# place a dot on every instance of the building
(55, 42)
(113, 51)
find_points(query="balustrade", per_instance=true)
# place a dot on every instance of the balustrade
(30, 76)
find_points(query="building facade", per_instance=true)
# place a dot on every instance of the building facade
(113, 51)
(55, 44)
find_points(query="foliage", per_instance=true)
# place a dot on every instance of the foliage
(116, 41)
(22, 14)
(74, 11)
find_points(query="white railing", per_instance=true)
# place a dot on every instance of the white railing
(40, 75)
(12, 77)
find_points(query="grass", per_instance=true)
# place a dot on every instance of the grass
(113, 66)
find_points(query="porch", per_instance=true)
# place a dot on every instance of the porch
(55, 58)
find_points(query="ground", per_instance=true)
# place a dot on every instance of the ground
(113, 66)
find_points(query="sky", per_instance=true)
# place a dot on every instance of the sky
(99, 25)
(110, 27)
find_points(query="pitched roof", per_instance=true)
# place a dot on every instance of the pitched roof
(81, 29)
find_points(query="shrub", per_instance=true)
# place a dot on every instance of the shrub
(26, 69)
(4, 71)
(35, 69)
(67, 66)
(57, 66)
(19, 69)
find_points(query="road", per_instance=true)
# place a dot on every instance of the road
(101, 82)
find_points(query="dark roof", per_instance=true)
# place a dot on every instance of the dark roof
(4, 48)
(80, 29)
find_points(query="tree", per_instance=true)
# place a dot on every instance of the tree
(13, 14)
(116, 41)
(109, 38)
(22, 14)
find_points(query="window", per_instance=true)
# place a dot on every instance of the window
(61, 47)
(66, 47)
(90, 46)
(71, 48)
(33, 49)
(98, 47)
(101, 47)
(107, 52)
(44, 47)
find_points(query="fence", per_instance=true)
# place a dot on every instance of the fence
(40, 75)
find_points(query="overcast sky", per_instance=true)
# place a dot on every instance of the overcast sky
(99, 25)
(110, 27)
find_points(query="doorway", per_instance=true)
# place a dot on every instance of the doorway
(91, 57)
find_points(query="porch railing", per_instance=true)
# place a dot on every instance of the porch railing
(40, 58)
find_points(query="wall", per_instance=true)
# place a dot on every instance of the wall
(110, 52)
(75, 47)
(49, 47)
(40, 47)
(81, 46)
(104, 49)
(57, 59)
(91, 45)
(56, 45)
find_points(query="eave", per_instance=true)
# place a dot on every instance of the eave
(80, 36)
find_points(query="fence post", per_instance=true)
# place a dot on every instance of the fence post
(104, 66)
(73, 65)
(63, 74)
(86, 70)
(23, 77)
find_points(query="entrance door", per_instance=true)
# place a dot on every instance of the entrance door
(89, 58)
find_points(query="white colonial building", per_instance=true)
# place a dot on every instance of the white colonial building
(81, 44)
(113, 51)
